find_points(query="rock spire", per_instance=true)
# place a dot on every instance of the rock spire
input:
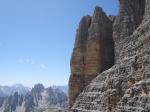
(93, 52)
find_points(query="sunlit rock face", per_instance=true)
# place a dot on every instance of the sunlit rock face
(125, 87)
(76, 82)
(93, 52)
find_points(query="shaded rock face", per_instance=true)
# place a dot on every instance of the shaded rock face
(125, 87)
(93, 52)
(112, 18)
(130, 17)
(9, 103)
(147, 9)
(99, 54)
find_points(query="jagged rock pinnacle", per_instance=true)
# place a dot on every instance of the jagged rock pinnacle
(125, 87)
(93, 52)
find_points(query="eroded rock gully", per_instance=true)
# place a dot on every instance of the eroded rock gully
(123, 86)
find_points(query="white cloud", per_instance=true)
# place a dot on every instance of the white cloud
(28, 61)
(43, 66)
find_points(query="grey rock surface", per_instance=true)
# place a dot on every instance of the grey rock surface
(125, 87)
(93, 52)
(130, 16)
(39, 99)
(10, 90)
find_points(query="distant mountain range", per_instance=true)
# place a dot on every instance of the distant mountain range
(23, 90)
(10, 90)
(63, 88)
(37, 99)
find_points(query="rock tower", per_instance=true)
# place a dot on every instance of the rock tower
(122, 82)
(93, 52)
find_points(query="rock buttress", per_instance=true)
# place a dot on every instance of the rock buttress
(93, 52)
(76, 81)
(126, 86)
(130, 16)
(99, 46)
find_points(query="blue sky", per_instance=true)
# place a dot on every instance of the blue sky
(37, 38)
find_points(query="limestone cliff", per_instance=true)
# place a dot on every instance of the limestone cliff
(76, 82)
(125, 87)
(130, 16)
(93, 52)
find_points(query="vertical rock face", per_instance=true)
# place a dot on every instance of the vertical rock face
(76, 82)
(93, 52)
(130, 16)
(99, 46)
(112, 18)
(147, 9)
(125, 87)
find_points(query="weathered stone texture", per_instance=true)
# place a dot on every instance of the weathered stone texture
(93, 52)
(125, 87)
(76, 81)
(99, 47)
(130, 16)
(112, 18)
(147, 9)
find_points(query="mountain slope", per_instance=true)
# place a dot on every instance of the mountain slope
(10, 90)
(39, 99)
(125, 87)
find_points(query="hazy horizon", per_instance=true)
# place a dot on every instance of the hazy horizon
(37, 38)
(46, 86)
